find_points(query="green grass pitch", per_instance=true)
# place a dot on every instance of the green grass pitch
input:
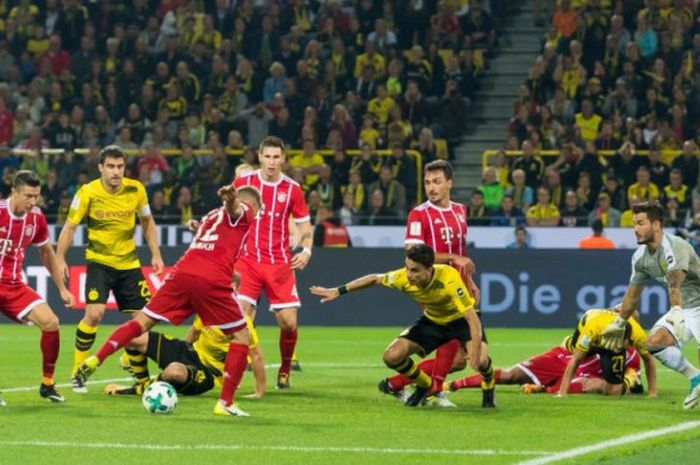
(332, 415)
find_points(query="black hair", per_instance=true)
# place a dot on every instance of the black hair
(653, 210)
(421, 253)
(440, 165)
(26, 178)
(111, 151)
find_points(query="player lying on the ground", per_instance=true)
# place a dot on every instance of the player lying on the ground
(543, 373)
(193, 366)
(448, 313)
(200, 283)
(587, 340)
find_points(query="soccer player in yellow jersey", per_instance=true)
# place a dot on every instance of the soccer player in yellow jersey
(448, 313)
(587, 341)
(193, 366)
(110, 205)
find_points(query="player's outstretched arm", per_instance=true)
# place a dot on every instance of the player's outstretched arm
(328, 294)
(650, 370)
(148, 225)
(575, 361)
(65, 239)
(50, 261)
(675, 279)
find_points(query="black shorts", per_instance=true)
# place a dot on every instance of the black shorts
(613, 365)
(130, 288)
(430, 335)
(165, 350)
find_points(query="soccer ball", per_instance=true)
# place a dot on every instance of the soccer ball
(159, 397)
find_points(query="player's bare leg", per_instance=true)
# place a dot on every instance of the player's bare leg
(287, 322)
(258, 364)
(234, 366)
(249, 310)
(398, 357)
(664, 346)
(47, 321)
(85, 335)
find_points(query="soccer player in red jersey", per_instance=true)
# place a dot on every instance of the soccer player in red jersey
(201, 283)
(266, 263)
(544, 372)
(22, 224)
(442, 225)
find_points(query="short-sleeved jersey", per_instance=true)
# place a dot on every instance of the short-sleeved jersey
(443, 300)
(212, 344)
(16, 234)
(268, 241)
(593, 323)
(111, 221)
(442, 229)
(674, 253)
(216, 246)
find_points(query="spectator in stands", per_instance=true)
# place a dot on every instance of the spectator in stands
(677, 190)
(404, 170)
(310, 161)
(478, 213)
(531, 164)
(182, 210)
(492, 189)
(608, 215)
(155, 164)
(158, 208)
(625, 164)
(348, 214)
(378, 214)
(543, 213)
(658, 170)
(688, 163)
(329, 231)
(523, 195)
(522, 239)
(643, 189)
(51, 192)
(588, 121)
(357, 189)
(257, 119)
(394, 192)
(673, 216)
(7, 123)
(328, 191)
(597, 240)
(508, 214)
(572, 215)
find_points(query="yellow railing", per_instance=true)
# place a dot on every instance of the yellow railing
(488, 154)
(237, 153)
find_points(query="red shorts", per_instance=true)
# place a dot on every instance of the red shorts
(546, 368)
(17, 300)
(181, 295)
(277, 280)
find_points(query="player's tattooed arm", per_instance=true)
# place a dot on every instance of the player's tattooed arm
(675, 279)
(631, 300)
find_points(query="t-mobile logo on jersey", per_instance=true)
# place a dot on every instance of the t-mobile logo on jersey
(447, 234)
(5, 246)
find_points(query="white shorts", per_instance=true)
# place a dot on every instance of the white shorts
(691, 326)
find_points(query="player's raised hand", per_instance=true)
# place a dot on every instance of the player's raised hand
(193, 225)
(465, 263)
(227, 193)
(68, 298)
(326, 294)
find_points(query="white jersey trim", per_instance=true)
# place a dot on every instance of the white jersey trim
(154, 316)
(282, 306)
(304, 219)
(529, 374)
(413, 241)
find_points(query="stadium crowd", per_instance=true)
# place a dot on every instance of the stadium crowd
(615, 93)
(221, 75)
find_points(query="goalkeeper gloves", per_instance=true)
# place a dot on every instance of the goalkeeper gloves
(612, 337)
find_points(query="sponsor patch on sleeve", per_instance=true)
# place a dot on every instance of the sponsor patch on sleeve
(414, 228)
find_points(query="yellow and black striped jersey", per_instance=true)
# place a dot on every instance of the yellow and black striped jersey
(444, 299)
(593, 323)
(111, 221)
(212, 344)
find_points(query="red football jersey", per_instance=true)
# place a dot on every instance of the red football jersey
(217, 244)
(268, 241)
(442, 229)
(16, 233)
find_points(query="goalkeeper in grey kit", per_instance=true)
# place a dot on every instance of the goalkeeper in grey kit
(673, 261)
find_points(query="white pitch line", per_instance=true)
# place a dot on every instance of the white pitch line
(611, 443)
(227, 447)
(62, 385)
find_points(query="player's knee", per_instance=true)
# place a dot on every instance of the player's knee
(93, 316)
(174, 372)
(50, 323)
(659, 339)
(459, 363)
(288, 325)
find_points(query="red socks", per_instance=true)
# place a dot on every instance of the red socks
(50, 343)
(444, 357)
(234, 366)
(119, 338)
(474, 381)
(288, 342)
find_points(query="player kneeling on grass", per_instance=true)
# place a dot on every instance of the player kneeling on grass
(200, 283)
(193, 366)
(587, 340)
(448, 313)
(544, 373)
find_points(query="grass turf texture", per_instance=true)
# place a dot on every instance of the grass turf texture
(333, 413)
